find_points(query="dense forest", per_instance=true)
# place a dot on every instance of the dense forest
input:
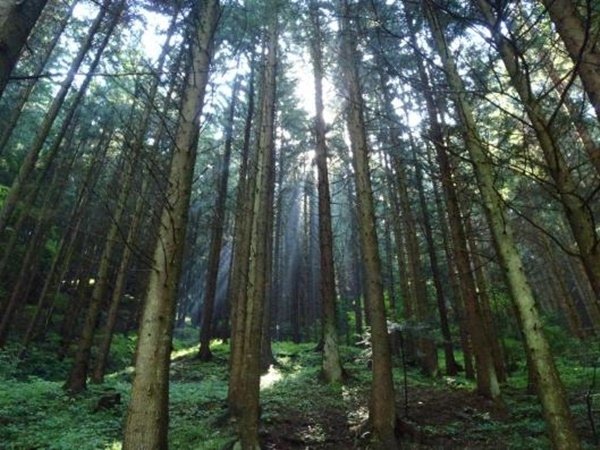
(243, 224)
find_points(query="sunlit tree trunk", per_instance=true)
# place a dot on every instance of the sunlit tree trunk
(550, 389)
(256, 286)
(17, 19)
(578, 212)
(331, 363)
(382, 404)
(147, 417)
(266, 349)
(580, 42)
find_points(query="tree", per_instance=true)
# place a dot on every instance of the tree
(32, 156)
(382, 408)
(332, 367)
(216, 241)
(581, 43)
(147, 416)
(578, 213)
(550, 388)
(487, 382)
(248, 335)
(17, 19)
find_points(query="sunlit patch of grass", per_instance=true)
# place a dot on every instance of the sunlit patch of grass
(270, 378)
(183, 352)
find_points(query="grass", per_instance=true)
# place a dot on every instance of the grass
(298, 411)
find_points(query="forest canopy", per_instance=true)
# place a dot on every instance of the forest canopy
(208, 207)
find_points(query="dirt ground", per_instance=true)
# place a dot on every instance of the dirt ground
(439, 418)
(429, 410)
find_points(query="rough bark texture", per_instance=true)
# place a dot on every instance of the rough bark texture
(240, 258)
(550, 389)
(579, 42)
(382, 408)
(147, 417)
(331, 364)
(32, 156)
(17, 19)
(259, 245)
(577, 210)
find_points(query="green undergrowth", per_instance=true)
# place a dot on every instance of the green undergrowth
(35, 413)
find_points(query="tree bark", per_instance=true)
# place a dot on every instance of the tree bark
(487, 383)
(578, 212)
(32, 156)
(580, 45)
(147, 417)
(17, 19)
(241, 257)
(216, 242)
(550, 389)
(382, 407)
(331, 364)
(259, 243)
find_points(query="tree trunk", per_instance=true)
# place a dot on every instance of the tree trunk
(577, 210)
(451, 365)
(17, 19)
(487, 383)
(485, 302)
(550, 389)
(216, 241)
(241, 257)
(260, 225)
(115, 300)
(463, 326)
(147, 417)
(417, 289)
(582, 48)
(32, 156)
(382, 404)
(7, 129)
(331, 363)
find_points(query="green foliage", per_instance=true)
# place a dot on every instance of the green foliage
(122, 350)
(3, 193)
(36, 413)
(40, 361)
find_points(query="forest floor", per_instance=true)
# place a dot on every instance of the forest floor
(298, 411)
